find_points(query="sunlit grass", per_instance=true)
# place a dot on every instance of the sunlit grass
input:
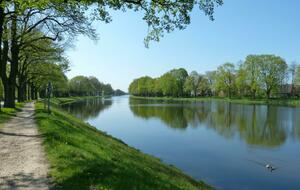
(7, 113)
(67, 100)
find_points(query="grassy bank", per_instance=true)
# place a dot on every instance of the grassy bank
(82, 157)
(7, 113)
(279, 102)
(68, 100)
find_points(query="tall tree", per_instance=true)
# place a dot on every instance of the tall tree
(192, 83)
(292, 70)
(242, 84)
(272, 72)
(252, 68)
(297, 75)
(226, 78)
(168, 85)
(211, 79)
(180, 76)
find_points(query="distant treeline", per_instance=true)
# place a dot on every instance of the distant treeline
(262, 76)
(84, 86)
(62, 87)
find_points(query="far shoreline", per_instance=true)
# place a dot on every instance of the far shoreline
(274, 101)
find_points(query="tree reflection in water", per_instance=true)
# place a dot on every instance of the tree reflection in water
(88, 109)
(259, 125)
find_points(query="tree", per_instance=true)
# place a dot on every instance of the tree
(119, 92)
(293, 71)
(108, 90)
(169, 85)
(252, 69)
(226, 78)
(43, 73)
(203, 87)
(211, 80)
(180, 76)
(80, 86)
(96, 85)
(1, 93)
(272, 72)
(41, 52)
(297, 75)
(133, 87)
(192, 83)
(242, 85)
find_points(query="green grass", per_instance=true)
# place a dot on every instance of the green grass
(82, 157)
(7, 113)
(277, 101)
(68, 100)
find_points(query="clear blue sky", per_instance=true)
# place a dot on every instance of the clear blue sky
(241, 27)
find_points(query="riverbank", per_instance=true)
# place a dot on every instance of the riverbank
(278, 102)
(68, 100)
(83, 157)
(7, 113)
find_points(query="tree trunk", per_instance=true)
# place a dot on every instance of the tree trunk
(25, 92)
(28, 92)
(254, 94)
(19, 96)
(268, 93)
(22, 92)
(229, 92)
(32, 91)
(11, 82)
(2, 54)
(35, 94)
(9, 94)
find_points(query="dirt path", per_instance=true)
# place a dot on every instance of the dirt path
(22, 160)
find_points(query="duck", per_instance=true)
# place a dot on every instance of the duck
(270, 167)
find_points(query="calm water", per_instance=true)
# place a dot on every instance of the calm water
(224, 144)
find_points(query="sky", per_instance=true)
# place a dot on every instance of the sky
(240, 28)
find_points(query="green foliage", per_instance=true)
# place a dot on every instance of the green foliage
(161, 16)
(42, 73)
(180, 76)
(107, 89)
(226, 78)
(80, 86)
(196, 84)
(119, 92)
(82, 157)
(297, 77)
(252, 68)
(88, 86)
(169, 84)
(258, 76)
(272, 72)
(144, 86)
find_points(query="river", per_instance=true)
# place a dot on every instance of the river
(225, 144)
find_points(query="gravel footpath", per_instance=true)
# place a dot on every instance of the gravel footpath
(23, 164)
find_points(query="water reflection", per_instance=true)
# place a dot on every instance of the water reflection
(88, 109)
(259, 125)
